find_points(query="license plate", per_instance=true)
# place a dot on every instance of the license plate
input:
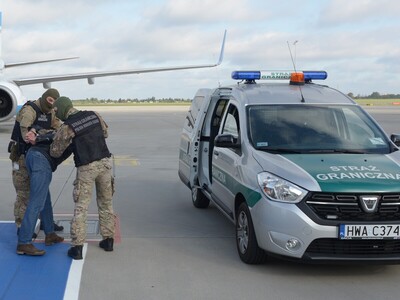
(361, 232)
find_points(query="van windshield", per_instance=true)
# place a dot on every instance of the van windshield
(314, 129)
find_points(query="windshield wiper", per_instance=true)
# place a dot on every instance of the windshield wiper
(347, 151)
(278, 150)
(285, 150)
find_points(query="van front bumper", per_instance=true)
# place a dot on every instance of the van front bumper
(285, 230)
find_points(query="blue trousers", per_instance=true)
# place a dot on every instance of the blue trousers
(40, 175)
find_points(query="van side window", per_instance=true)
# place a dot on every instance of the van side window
(231, 124)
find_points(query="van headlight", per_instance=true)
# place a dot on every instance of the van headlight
(278, 189)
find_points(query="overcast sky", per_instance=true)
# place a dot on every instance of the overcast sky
(357, 42)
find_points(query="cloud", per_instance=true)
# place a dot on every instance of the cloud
(180, 12)
(341, 12)
(341, 36)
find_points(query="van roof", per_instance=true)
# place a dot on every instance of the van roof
(284, 93)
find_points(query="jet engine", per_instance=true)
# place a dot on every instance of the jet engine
(11, 99)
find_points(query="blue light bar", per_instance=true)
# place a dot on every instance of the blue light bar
(246, 75)
(315, 75)
(277, 75)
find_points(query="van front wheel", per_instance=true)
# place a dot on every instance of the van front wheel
(199, 199)
(246, 240)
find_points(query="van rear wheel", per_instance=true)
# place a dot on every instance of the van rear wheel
(246, 240)
(199, 199)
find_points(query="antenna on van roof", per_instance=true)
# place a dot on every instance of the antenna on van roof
(294, 66)
(295, 50)
(291, 56)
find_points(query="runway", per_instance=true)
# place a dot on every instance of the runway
(167, 249)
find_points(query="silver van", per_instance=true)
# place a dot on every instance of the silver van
(301, 170)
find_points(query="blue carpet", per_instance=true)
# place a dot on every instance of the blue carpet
(31, 277)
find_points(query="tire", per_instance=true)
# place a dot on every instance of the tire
(199, 199)
(246, 241)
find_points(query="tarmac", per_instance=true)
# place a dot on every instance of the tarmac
(166, 248)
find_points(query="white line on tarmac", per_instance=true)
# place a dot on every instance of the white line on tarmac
(74, 277)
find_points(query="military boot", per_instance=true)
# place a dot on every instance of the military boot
(107, 244)
(75, 252)
(56, 227)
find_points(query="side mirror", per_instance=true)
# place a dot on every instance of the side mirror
(395, 138)
(226, 141)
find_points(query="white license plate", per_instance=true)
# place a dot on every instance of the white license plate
(348, 232)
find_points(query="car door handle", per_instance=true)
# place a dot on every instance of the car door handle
(216, 153)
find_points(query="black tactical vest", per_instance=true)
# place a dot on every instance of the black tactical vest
(89, 143)
(42, 120)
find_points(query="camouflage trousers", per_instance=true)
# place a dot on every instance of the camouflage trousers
(98, 174)
(20, 178)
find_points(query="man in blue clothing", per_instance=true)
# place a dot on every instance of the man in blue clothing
(40, 166)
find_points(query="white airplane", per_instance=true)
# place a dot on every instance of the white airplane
(12, 98)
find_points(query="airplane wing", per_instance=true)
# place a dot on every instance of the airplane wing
(47, 80)
(9, 65)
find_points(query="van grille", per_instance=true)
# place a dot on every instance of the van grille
(347, 207)
(359, 248)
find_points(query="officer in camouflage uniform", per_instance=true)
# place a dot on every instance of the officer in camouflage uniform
(40, 117)
(86, 131)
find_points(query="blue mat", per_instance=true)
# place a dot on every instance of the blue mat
(31, 277)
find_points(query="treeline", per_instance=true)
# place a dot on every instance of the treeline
(135, 100)
(375, 95)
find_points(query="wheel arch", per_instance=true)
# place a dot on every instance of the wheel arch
(239, 199)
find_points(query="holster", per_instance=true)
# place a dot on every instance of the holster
(10, 145)
(13, 150)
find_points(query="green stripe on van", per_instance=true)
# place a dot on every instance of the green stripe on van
(251, 196)
(351, 172)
